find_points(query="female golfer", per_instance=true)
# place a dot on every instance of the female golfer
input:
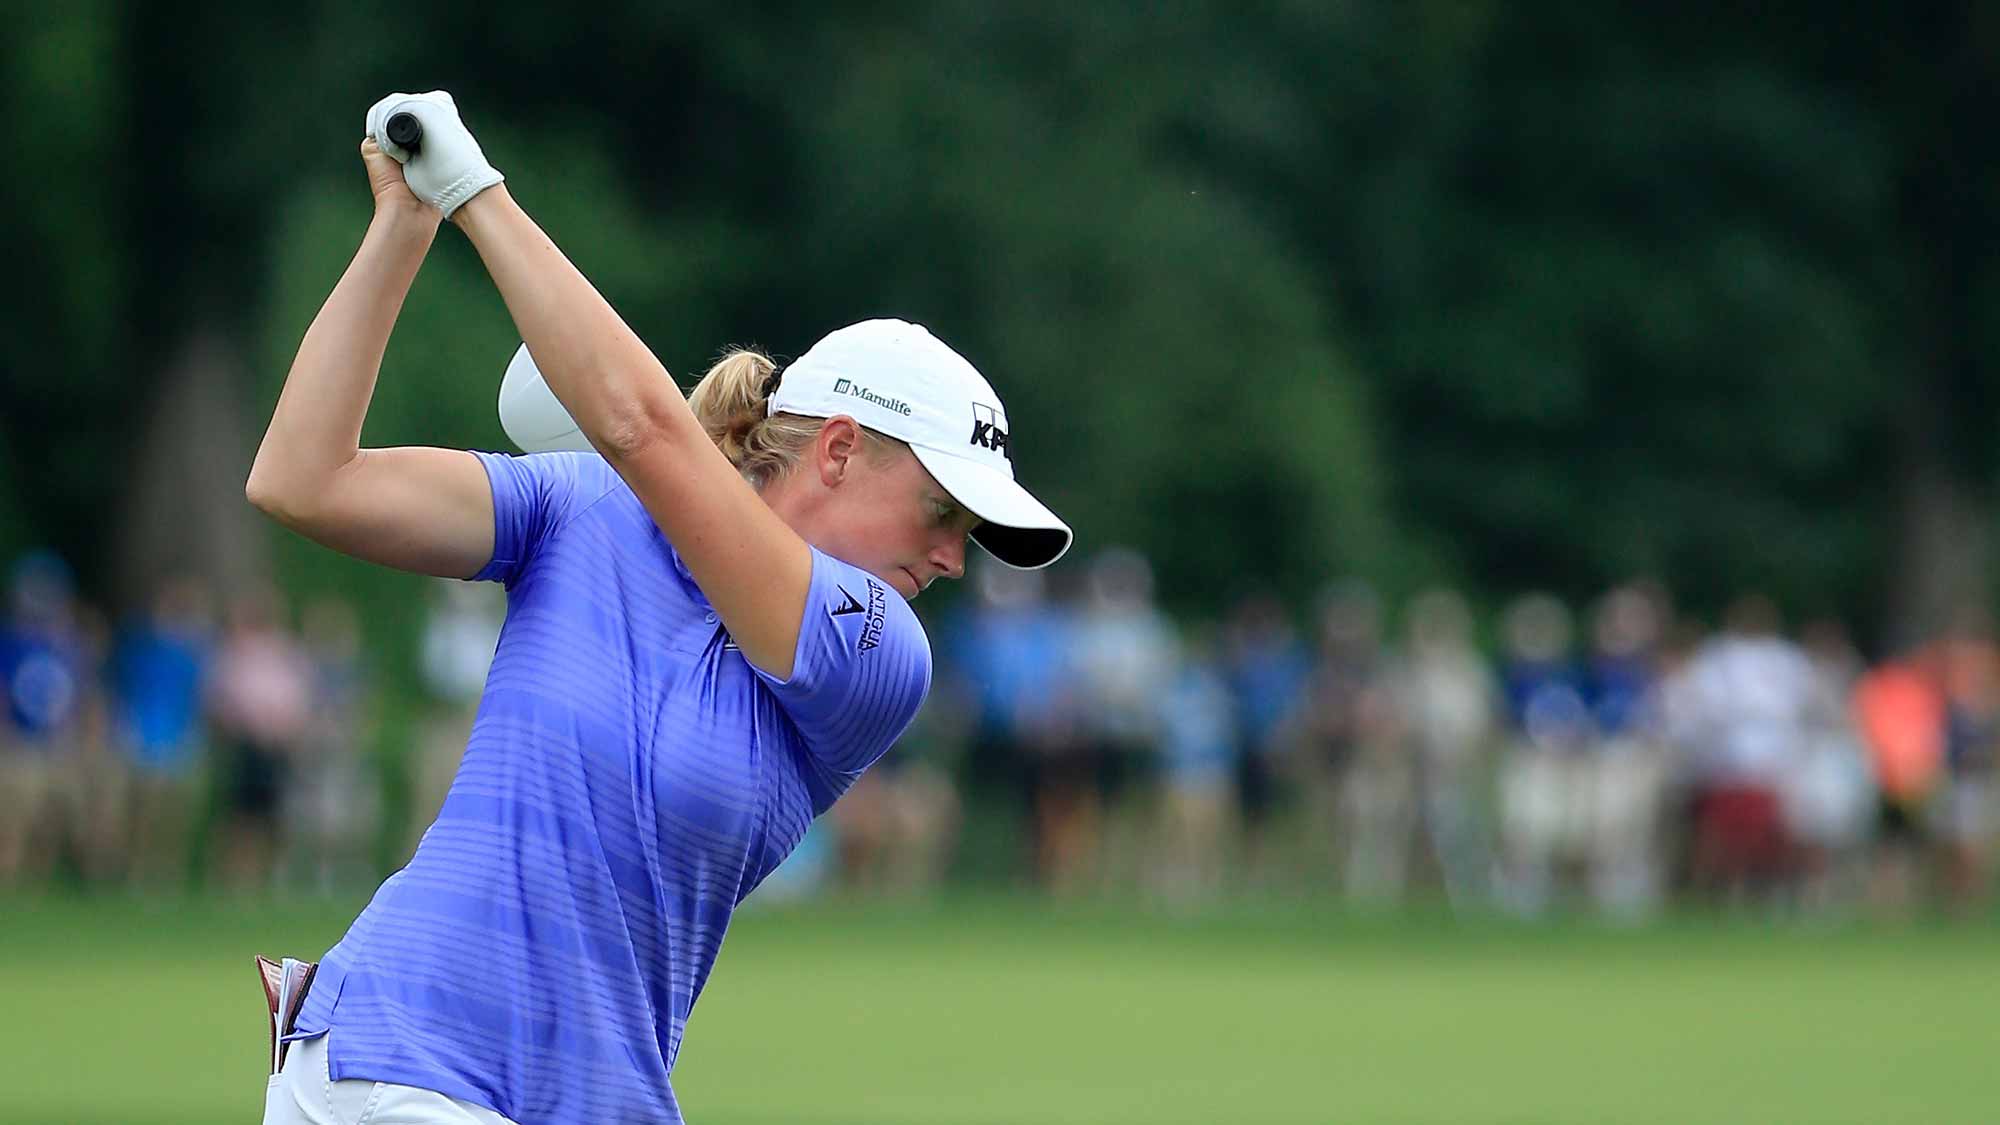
(707, 640)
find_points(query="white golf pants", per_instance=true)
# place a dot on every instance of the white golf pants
(303, 1094)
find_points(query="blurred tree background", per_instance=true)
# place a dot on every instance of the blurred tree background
(1506, 295)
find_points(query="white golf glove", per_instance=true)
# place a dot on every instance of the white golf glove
(448, 168)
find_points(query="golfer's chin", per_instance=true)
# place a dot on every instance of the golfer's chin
(902, 581)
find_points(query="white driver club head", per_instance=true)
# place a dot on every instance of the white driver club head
(534, 420)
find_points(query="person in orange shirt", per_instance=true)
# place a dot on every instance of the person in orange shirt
(1900, 712)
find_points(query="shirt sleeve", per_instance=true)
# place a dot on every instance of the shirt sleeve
(533, 496)
(861, 670)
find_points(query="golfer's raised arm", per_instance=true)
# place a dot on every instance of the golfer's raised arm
(423, 510)
(751, 566)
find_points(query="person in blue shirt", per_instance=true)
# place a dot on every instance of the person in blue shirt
(707, 640)
(45, 680)
(1266, 669)
(159, 666)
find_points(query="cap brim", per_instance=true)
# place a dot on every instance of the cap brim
(1018, 529)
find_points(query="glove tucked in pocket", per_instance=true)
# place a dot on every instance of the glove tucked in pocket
(286, 983)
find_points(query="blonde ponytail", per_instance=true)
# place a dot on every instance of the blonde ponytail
(730, 403)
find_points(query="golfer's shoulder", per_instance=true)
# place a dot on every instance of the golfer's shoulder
(570, 484)
(866, 609)
(552, 477)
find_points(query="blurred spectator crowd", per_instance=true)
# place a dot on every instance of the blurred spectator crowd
(224, 742)
(1611, 757)
(1614, 757)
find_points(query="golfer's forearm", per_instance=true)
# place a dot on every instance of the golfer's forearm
(316, 428)
(604, 375)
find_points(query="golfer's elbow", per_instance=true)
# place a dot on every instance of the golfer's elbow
(269, 496)
(634, 424)
(280, 491)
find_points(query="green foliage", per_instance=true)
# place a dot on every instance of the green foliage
(16, 534)
(1477, 292)
(58, 382)
(1173, 383)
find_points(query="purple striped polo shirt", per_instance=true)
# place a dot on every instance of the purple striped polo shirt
(629, 779)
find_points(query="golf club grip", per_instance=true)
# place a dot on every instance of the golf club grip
(406, 131)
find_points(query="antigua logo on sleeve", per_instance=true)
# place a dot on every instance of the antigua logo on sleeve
(851, 605)
(878, 611)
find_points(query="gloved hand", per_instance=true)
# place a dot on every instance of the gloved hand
(448, 168)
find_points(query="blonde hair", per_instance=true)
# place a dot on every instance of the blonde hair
(730, 403)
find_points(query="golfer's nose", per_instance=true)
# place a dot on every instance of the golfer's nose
(949, 557)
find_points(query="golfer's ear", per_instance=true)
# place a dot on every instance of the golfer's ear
(840, 440)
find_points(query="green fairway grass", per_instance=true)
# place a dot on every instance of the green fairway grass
(1005, 1010)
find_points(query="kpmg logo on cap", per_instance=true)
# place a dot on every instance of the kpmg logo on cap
(986, 430)
(856, 390)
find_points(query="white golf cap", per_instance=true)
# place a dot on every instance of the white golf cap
(897, 379)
